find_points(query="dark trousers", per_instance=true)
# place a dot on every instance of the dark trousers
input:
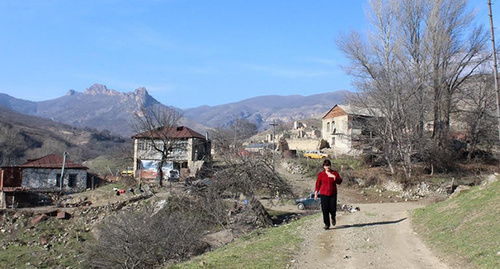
(329, 207)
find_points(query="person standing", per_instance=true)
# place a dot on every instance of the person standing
(326, 188)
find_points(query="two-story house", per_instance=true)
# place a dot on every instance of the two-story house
(189, 151)
(344, 127)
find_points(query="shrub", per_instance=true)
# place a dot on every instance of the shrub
(145, 239)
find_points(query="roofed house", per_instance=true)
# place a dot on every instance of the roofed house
(23, 185)
(344, 128)
(188, 154)
(44, 174)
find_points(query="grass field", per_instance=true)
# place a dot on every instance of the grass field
(265, 248)
(465, 229)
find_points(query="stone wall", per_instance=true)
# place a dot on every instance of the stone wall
(47, 179)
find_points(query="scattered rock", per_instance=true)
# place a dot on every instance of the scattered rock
(39, 219)
(490, 179)
(63, 215)
(458, 190)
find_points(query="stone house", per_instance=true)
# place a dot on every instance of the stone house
(344, 127)
(189, 152)
(44, 174)
(29, 183)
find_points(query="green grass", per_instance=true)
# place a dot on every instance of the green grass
(465, 228)
(23, 246)
(265, 248)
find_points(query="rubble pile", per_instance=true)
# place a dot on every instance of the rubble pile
(293, 167)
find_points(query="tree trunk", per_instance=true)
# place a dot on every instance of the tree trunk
(261, 213)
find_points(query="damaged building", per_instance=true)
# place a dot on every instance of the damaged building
(345, 128)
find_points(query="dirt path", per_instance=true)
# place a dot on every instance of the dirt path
(379, 236)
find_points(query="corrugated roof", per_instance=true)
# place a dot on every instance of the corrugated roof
(173, 132)
(51, 161)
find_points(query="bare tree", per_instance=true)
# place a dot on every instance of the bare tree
(156, 124)
(230, 138)
(476, 108)
(456, 48)
(412, 64)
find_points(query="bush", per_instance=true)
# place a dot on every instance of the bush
(146, 239)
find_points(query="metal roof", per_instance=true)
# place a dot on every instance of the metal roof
(173, 132)
(51, 161)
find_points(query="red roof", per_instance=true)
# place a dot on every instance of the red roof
(51, 161)
(173, 132)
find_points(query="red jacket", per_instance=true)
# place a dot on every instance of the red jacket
(327, 185)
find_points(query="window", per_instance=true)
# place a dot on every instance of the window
(327, 127)
(58, 178)
(72, 180)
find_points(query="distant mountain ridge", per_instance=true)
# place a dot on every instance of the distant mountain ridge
(105, 109)
(265, 109)
(97, 107)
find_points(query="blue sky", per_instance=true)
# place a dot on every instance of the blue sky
(187, 53)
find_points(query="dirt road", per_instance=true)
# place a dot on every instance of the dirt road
(378, 236)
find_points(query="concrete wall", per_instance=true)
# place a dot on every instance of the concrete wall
(303, 144)
(46, 179)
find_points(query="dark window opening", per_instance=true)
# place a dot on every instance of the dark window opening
(72, 181)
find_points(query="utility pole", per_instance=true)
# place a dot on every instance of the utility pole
(274, 138)
(2, 198)
(495, 71)
(62, 171)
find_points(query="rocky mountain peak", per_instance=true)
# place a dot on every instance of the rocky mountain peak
(99, 89)
(141, 91)
(142, 96)
(71, 92)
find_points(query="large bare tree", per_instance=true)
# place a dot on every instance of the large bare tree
(156, 124)
(409, 70)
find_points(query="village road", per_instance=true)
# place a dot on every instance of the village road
(378, 236)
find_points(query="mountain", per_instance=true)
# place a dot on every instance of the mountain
(25, 137)
(105, 109)
(97, 107)
(19, 105)
(264, 109)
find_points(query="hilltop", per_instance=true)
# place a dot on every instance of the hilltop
(102, 109)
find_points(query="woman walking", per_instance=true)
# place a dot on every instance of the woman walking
(326, 188)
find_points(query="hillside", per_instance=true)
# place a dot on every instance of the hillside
(465, 228)
(263, 110)
(97, 107)
(105, 109)
(23, 137)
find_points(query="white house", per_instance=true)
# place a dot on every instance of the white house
(344, 128)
